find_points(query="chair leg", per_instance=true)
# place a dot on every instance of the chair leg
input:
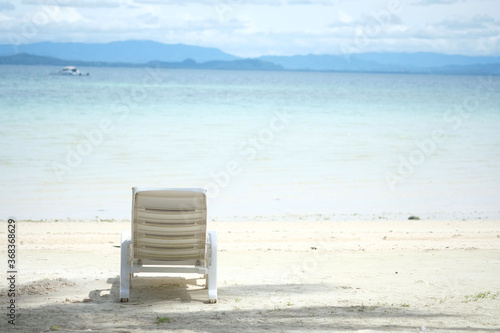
(212, 268)
(125, 269)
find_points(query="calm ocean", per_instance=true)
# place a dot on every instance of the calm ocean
(340, 146)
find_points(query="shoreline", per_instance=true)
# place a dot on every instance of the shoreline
(315, 217)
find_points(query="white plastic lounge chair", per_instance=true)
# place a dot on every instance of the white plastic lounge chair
(169, 235)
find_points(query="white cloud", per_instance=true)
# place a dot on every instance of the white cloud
(368, 22)
(77, 3)
(236, 3)
(435, 2)
(343, 17)
(252, 28)
(148, 18)
(476, 22)
(6, 5)
(457, 28)
(65, 15)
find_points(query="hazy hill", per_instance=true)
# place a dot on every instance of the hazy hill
(481, 69)
(324, 63)
(380, 62)
(127, 51)
(238, 64)
(424, 59)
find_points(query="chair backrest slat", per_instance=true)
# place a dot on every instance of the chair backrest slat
(168, 217)
(169, 224)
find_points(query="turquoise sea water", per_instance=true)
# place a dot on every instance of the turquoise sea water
(262, 143)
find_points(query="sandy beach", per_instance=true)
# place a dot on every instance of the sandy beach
(274, 276)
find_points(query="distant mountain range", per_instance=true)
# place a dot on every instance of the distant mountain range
(135, 52)
(392, 62)
(238, 64)
(142, 53)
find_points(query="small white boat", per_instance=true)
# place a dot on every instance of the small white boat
(71, 71)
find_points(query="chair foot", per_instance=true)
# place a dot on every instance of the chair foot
(212, 301)
(124, 300)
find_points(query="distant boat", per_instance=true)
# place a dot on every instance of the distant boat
(70, 71)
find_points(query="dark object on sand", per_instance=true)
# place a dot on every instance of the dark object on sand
(414, 218)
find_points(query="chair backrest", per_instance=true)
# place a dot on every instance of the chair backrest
(169, 224)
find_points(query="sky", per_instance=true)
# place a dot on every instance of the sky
(263, 27)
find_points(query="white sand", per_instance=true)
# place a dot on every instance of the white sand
(378, 276)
